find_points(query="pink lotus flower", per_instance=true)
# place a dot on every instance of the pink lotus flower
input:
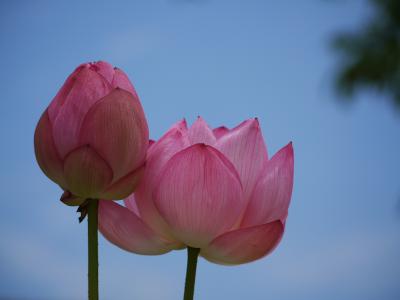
(93, 137)
(210, 189)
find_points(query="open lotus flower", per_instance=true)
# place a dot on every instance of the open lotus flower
(210, 189)
(93, 138)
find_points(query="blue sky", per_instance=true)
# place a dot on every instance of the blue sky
(226, 61)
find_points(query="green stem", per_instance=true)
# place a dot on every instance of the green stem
(93, 260)
(193, 254)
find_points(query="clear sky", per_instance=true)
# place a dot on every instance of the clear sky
(226, 61)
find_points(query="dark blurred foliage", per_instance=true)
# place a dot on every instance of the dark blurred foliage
(371, 56)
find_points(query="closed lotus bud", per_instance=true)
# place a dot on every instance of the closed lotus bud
(93, 138)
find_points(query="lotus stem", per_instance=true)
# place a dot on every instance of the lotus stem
(193, 254)
(93, 259)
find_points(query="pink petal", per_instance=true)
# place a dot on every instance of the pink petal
(158, 155)
(124, 186)
(199, 132)
(199, 195)
(244, 146)
(271, 197)
(180, 126)
(121, 80)
(87, 89)
(62, 94)
(104, 69)
(174, 140)
(117, 129)
(244, 245)
(220, 132)
(126, 230)
(86, 173)
(46, 153)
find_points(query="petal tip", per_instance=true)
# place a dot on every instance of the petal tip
(199, 119)
(182, 124)
(254, 122)
(289, 149)
(248, 124)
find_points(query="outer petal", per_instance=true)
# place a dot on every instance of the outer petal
(86, 173)
(245, 148)
(220, 131)
(117, 129)
(199, 132)
(244, 245)
(199, 195)
(158, 155)
(124, 186)
(46, 152)
(271, 196)
(122, 81)
(87, 89)
(126, 230)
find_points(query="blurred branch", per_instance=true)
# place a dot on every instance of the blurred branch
(371, 56)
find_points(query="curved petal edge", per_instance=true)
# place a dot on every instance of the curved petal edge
(46, 152)
(244, 245)
(271, 197)
(125, 229)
